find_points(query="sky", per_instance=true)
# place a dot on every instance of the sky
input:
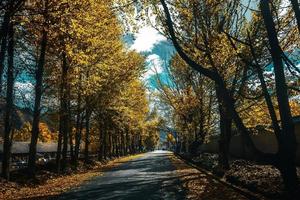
(158, 51)
(146, 38)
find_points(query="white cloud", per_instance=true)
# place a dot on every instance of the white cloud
(146, 38)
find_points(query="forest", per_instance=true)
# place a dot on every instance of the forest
(228, 93)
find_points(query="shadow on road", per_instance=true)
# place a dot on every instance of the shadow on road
(149, 177)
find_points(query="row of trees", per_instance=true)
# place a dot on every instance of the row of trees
(230, 45)
(232, 51)
(190, 97)
(86, 82)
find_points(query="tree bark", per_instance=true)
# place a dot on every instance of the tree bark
(122, 144)
(110, 145)
(117, 146)
(296, 8)
(12, 8)
(78, 125)
(9, 105)
(105, 148)
(64, 114)
(87, 136)
(71, 144)
(128, 145)
(225, 133)
(58, 152)
(100, 149)
(288, 146)
(267, 96)
(3, 40)
(37, 104)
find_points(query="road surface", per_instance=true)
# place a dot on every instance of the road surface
(151, 176)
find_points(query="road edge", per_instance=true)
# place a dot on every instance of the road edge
(243, 191)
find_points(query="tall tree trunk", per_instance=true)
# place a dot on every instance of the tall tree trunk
(200, 135)
(61, 123)
(71, 144)
(110, 145)
(122, 144)
(87, 136)
(140, 144)
(59, 150)
(133, 143)
(118, 146)
(9, 105)
(5, 26)
(78, 125)
(296, 8)
(104, 144)
(3, 40)
(11, 8)
(69, 124)
(100, 149)
(77, 139)
(225, 133)
(267, 96)
(128, 145)
(113, 143)
(288, 146)
(37, 110)
(64, 120)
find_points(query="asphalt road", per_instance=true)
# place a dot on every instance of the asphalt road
(149, 177)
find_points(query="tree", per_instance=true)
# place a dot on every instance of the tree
(214, 74)
(9, 104)
(190, 97)
(287, 143)
(10, 8)
(38, 91)
(296, 8)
